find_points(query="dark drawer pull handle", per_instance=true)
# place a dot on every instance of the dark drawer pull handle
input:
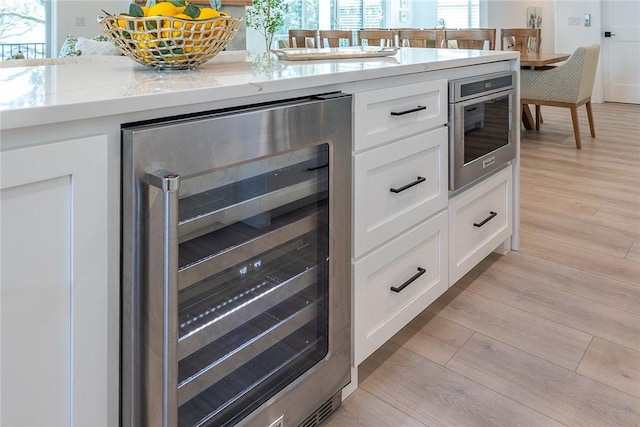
(411, 184)
(412, 110)
(486, 220)
(420, 272)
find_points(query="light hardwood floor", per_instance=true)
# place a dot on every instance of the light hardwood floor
(548, 335)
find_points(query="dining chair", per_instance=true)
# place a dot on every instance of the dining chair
(470, 38)
(568, 85)
(413, 37)
(525, 40)
(303, 38)
(336, 38)
(377, 37)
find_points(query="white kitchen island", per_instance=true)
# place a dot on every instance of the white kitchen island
(60, 194)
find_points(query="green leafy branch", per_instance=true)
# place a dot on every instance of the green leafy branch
(266, 16)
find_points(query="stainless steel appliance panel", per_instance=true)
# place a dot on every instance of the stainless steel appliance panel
(236, 290)
(482, 122)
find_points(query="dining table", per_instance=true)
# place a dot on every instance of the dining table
(533, 61)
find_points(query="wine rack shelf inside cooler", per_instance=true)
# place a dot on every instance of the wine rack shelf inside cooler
(217, 208)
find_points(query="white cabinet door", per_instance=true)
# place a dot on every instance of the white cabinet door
(398, 185)
(396, 282)
(389, 114)
(53, 288)
(480, 219)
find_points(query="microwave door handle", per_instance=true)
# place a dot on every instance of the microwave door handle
(162, 306)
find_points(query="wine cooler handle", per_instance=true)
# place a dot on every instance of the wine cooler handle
(420, 272)
(164, 299)
(486, 220)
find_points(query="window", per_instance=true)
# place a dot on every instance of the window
(22, 29)
(356, 14)
(459, 13)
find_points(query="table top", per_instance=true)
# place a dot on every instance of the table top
(542, 59)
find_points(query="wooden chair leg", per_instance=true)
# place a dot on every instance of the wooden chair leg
(592, 127)
(527, 117)
(576, 125)
(538, 115)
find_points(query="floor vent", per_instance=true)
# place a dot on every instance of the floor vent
(323, 412)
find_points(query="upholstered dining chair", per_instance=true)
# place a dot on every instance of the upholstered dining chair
(524, 40)
(336, 38)
(471, 38)
(377, 37)
(303, 38)
(413, 37)
(568, 85)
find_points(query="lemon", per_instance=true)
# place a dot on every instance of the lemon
(208, 13)
(164, 8)
(145, 10)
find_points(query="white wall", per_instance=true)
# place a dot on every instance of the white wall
(513, 14)
(570, 36)
(68, 14)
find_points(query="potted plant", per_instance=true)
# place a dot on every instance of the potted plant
(267, 16)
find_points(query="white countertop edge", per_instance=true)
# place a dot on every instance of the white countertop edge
(35, 116)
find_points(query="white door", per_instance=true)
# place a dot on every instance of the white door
(621, 50)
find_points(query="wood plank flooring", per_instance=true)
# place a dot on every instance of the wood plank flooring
(547, 335)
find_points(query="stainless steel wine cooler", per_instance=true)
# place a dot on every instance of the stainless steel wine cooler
(236, 294)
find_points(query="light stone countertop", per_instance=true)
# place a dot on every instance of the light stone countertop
(100, 86)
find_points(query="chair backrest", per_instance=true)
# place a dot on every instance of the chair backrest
(336, 38)
(377, 37)
(303, 38)
(471, 38)
(525, 40)
(589, 67)
(420, 37)
(571, 82)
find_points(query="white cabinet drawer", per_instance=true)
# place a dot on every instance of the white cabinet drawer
(480, 219)
(383, 206)
(379, 311)
(388, 114)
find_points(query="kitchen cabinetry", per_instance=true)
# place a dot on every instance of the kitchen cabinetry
(397, 281)
(57, 366)
(53, 290)
(479, 221)
(400, 186)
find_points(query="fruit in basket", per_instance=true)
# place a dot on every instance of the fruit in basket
(170, 33)
(164, 8)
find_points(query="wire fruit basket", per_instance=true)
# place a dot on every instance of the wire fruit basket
(166, 42)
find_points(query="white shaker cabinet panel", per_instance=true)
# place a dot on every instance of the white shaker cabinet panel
(53, 288)
(396, 282)
(387, 114)
(397, 186)
(480, 219)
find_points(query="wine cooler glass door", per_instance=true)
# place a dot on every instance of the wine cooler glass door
(233, 279)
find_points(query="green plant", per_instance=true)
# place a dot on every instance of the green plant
(267, 16)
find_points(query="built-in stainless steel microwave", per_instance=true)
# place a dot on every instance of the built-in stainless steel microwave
(482, 120)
